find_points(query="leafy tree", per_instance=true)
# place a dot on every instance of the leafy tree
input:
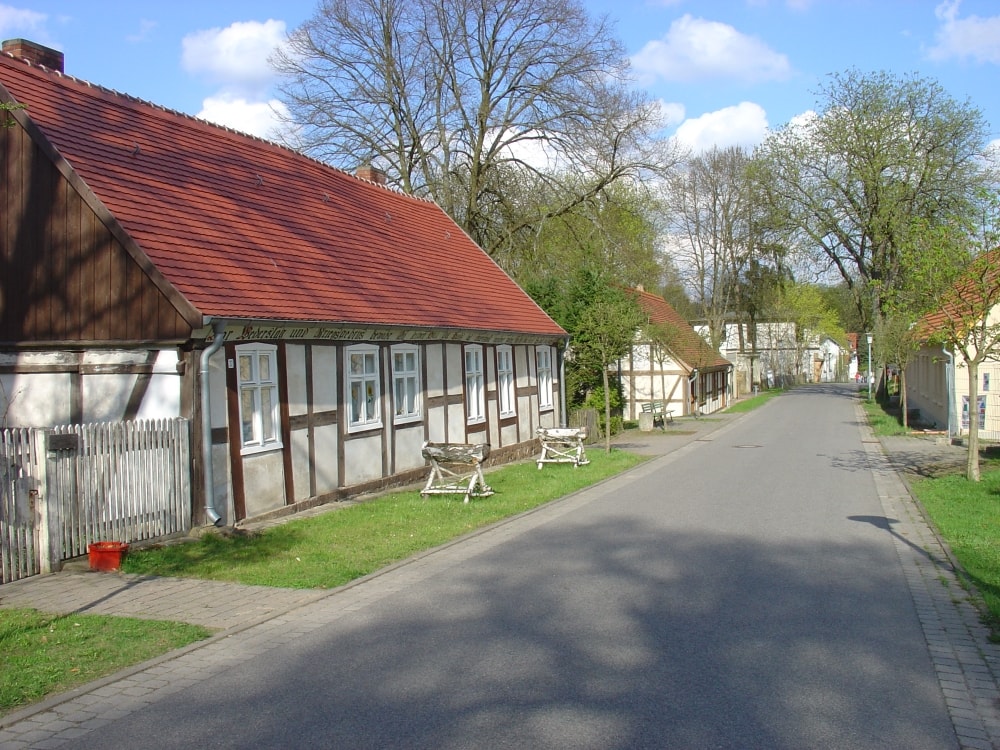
(613, 235)
(883, 153)
(955, 269)
(896, 342)
(606, 330)
(461, 101)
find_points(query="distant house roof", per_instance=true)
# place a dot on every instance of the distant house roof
(684, 342)
(246, 229)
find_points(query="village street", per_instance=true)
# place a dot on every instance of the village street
(758, 588)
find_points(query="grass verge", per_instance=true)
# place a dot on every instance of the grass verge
(966, 515)
(749, 404)
(882, 422)
(42, 654)
(334, 548)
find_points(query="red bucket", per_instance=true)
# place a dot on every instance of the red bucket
(106, 555)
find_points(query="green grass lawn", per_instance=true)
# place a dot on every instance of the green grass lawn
(334, 548)
(43, 654)
(967, 515)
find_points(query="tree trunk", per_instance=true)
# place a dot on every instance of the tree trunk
(607, 412)
(972, 462)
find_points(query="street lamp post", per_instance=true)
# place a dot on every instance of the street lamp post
(869, 367)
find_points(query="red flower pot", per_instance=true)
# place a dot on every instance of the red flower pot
(106, 555)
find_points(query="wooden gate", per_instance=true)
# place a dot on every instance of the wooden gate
(63, 488)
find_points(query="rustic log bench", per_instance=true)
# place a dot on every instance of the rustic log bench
(562, 445)
(456, 469)
(661, 414)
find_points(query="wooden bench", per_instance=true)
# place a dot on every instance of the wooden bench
(661, 414)
(562, 445)
(456, 469)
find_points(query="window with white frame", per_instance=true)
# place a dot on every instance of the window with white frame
(475, 387)
(505, 380)
(362, 384)
(543, 370)
(257, 376)
(406, 383)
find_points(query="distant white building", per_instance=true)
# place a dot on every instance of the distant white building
(779, 357)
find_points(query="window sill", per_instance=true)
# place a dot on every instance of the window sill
(256, 450)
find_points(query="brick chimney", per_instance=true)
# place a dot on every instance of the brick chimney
(34, 53)
(370, 173)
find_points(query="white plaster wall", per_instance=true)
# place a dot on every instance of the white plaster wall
(456, 387)
(326, 441)
(436, 424)
(35, 400)
(926, 387)
(43, 399)
(264, 479)
(363, 458)
(324, 359)
(222, 484)
(217, 365)
(299, 446)
(295, 378)
(434, 386)
(105, 397)
(408, 443)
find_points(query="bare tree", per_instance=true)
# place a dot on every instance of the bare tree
(709, 231)
(458, 100)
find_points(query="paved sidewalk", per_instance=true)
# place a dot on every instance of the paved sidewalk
(968, 665)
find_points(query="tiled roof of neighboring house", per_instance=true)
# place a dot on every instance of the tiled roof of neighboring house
(978, 286)
(246, 229)
(684, 343)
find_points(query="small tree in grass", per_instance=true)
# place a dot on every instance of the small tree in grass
(606, 331)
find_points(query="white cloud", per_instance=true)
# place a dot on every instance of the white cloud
(235, 57)
(975, 37)
(20, 22)
(145, 29)
(263, 119)
(695, 49)
(742, 125)
(671, 113)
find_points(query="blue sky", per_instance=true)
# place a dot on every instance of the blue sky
(724, 70)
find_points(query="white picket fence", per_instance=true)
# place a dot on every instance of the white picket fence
(64, 488)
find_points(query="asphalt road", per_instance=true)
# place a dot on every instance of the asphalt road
(742, 592)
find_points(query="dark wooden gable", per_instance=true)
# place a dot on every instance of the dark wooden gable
(69, 274)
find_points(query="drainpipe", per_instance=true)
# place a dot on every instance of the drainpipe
(218, 330)
(949, 379)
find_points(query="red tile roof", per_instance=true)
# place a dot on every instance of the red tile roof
(685, 344)
(243, 228)
(977, 288)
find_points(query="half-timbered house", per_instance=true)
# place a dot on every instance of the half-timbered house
(315, 327)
